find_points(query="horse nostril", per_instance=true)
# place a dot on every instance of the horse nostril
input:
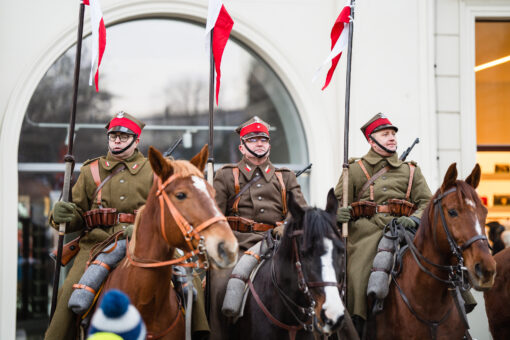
(478, 270)
(221, 250)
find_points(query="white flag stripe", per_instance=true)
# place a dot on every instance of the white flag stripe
(340, 46)
(95, 18)
(212, 16)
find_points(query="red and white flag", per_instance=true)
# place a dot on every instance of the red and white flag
(339, 40)
(219, 20)
(98, 42)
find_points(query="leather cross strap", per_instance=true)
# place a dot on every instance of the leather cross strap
(94, 169)
(283, 191)
(370, 181)
(239, 192)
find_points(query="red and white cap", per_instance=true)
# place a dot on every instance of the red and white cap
(124, 122)
(255, 127)
(377, 123)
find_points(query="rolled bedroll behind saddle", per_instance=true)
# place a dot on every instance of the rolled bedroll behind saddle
(378, 282)
(85, 291)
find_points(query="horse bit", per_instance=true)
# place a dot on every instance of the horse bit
(455, 279)
(188, 231)
(303, 286)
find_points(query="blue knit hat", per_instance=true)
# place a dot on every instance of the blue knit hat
(117, 315)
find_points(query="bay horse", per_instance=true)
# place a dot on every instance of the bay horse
(498, 236)
(497, 299)
(296, 291)
(449, 251)
(180, 212)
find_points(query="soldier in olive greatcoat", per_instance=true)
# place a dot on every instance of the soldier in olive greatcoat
(252, 195)
(126, 190)
(402, 181)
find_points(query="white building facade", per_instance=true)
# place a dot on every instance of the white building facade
(412, 59)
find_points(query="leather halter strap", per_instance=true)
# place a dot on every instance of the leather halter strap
(185, 227)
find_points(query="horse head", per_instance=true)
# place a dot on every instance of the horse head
(188, 215)
(462, 216)
(317, 244)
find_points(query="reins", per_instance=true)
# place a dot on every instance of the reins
(189, 232)
(303, 285)
(455, 279)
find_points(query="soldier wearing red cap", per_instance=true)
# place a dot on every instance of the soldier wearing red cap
(252, 195)
(124, 177)
(402, 184)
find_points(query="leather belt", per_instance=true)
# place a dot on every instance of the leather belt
(245, 225)
(126, 218)
(382, 209)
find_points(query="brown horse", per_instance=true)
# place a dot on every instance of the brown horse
(497, 299)
(450, 241)
(180, 212)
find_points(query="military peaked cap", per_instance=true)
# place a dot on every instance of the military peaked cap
(124, 122)
(377, 123)
(255, 127)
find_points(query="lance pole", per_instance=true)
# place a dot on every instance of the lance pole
(210, 161)
(345, 166)
(69, 159)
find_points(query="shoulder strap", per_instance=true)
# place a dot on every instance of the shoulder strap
(94, 169)
(283, 191)
(370, 181)
(235, 206)
(98, 189)
(410, 184)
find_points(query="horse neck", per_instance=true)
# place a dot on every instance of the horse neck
(149, 242)
(429, 288)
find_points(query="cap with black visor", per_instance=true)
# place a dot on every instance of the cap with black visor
(124, 123)
(255, 127)
(377, 123)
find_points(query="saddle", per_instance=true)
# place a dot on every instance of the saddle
(246, 269)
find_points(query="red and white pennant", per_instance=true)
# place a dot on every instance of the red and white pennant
(219, 19)
(98, 42)
(339, 40)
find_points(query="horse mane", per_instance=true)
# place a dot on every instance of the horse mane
(316, 224)
(463, 190)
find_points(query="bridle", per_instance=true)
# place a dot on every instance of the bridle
(311, 323)
(189, 232)
(456, 279)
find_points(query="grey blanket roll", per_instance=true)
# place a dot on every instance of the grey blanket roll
(378, 282)
(236, 287)
(81, 299)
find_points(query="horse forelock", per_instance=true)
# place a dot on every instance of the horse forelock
(185, 169)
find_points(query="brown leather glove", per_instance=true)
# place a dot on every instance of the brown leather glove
(278, 231)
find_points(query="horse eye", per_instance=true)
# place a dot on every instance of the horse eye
(452, 213)
(180, 195)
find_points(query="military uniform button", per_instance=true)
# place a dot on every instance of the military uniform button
(260, 198)
(384, 189)
(261, 210)
(122, 198)
(123, 227)
(383, 177)
(259, 185)
(122, 181)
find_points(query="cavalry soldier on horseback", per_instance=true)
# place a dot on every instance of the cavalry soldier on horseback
(252, 195)
(381, 187)
(105, 198)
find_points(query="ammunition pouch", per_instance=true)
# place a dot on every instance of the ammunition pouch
(363, 209)
(106, 217)
(246, 225)
(401, 207)
(395, 207)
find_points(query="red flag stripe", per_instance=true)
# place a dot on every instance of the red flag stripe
(221, 33)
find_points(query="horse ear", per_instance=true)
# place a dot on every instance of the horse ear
(450, 177)
(474, 178)
(201, 158)
(332, 203)
(295, 209)
(159, 164)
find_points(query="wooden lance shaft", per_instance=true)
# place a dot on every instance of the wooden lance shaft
(69, 160)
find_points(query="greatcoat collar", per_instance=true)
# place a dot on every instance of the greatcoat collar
(133, 163)
(373, 158)
(267, 169)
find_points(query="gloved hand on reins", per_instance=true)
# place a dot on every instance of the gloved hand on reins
(128, 231)
(64, 212)
(343, 214)
(407, 222)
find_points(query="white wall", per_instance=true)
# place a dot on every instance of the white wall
(393, 72)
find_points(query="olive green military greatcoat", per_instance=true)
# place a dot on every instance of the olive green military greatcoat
(365, 233)
(262, 202)
(126, 191)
